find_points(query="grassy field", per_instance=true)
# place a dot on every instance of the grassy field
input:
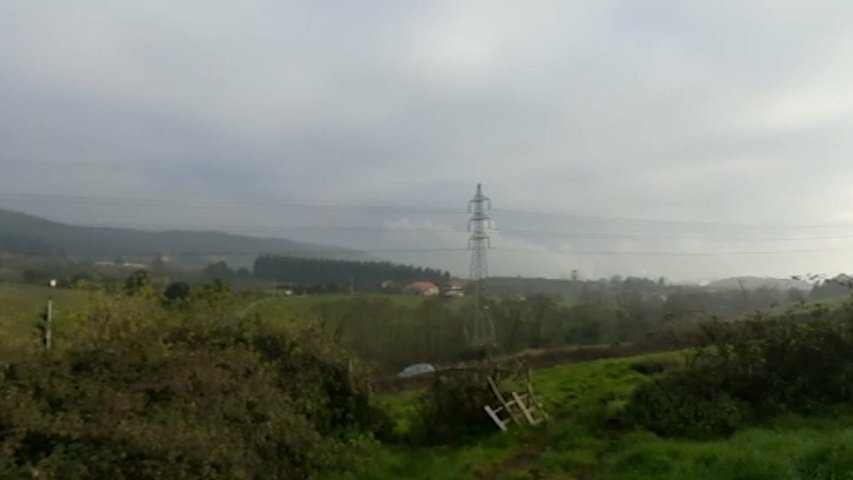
(370, 325)
(305, 303)
(579, 396)
(22, 305)
(586, 441)
(790, 448)
(386, 331)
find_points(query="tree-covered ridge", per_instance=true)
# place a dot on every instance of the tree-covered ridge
(365, 275)
(21, 233)
(25, 246)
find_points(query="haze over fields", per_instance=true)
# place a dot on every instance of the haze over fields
(692, 141)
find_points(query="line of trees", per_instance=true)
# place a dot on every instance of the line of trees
(25, 246)
(365, 275)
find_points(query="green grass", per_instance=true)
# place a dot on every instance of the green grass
(386, 331)
(579, 397)
(304, 303)
(22, 305)
(574, 445)
(794, 449)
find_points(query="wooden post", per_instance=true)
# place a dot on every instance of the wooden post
(48, 317)
(535, 401)
(504, 403)
(48, 327)
(528, 403)
(524, 409)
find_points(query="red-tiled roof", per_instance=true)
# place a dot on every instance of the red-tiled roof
(421, 286)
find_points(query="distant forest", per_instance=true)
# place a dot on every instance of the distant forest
(365, 275)
(24, 246)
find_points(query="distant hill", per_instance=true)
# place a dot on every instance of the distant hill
(28, 234)
(752, 283)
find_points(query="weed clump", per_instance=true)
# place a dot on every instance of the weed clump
(651, 366)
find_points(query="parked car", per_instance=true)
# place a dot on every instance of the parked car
(416, 369)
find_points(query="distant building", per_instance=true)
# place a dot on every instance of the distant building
(426, 289)
(454, 291)
(454, 288)
(125, 265)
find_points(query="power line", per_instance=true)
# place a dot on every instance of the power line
(527, 232)
(495, 250)
(657, 222)
(119, 251)
(677, 254)
(160, 202)
(608, 236)
(276, 229)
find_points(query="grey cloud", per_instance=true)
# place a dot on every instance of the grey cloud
(714, 112)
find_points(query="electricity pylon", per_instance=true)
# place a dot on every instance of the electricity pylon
(482, 329)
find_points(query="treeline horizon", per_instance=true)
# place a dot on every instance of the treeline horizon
(366, 275)
(324, 275)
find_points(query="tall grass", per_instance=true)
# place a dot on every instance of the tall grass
(799, 449)
(581, 398)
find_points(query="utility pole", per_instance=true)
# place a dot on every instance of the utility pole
(482, 331)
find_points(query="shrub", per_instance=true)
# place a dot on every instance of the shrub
(197, 393)
(686, 404)
(752, 369)
(176, 292)
(451, 408)
(651, 366)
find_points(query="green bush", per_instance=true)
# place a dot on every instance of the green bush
(652, 366)
(142, 393)
(686, 404)
(451, 408)
(751, 370)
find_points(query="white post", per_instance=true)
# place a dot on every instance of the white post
(48, 328)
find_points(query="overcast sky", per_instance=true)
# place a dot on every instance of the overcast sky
(687, 139)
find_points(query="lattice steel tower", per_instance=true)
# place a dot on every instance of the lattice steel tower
(482, 329)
